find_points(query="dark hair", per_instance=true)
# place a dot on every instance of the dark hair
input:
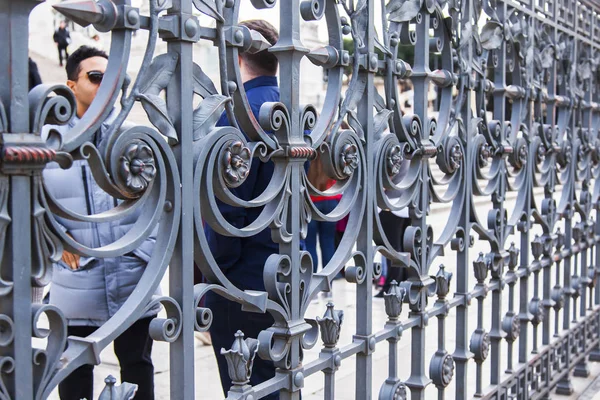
(262, 63)
(74, 61)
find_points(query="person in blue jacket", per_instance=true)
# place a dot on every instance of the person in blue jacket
(90, 290)
(242, 259)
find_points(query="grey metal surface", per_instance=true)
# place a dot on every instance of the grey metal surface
(517, 83)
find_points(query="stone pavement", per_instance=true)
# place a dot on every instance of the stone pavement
(344, 297)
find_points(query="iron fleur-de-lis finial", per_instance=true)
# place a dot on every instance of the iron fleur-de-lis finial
(393, 300)
(240, 358)
(443, 279)
(331, 325)
(125, 391)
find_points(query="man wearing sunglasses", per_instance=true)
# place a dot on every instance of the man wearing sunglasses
(91, 290)
(85, 75)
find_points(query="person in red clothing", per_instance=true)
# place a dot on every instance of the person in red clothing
(323, 230)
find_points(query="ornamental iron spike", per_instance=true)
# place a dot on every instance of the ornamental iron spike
(481, 267)
(443, 279)
(125, 391)
(102, 14)
(240, 358)
(326, 56)
(258, 42)
(513, 256)
(560, 239)
(537, 247)
(331, 325)
(393, 300)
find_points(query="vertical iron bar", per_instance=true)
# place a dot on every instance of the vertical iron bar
(14, 33)
(20, 259)
(364, 291)
(418, 381)
(564, 386)
(511, 307)
(289, 51)
(181, 285)
(329, 390)
(546, 301)
(524, 296)
(462, 353)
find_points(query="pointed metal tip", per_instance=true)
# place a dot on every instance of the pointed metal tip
(82, 12)
(259, 43)
(323, 57)
(318, 56)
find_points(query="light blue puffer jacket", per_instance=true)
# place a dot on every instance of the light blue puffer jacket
(92, 294)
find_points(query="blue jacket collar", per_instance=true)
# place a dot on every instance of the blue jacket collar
(260, 81)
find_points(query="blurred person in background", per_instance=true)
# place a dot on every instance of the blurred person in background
(62, 38)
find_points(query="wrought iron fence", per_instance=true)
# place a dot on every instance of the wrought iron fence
(517, 83)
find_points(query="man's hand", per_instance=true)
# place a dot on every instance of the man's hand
(72, 260)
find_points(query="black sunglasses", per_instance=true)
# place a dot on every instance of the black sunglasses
(95, 77)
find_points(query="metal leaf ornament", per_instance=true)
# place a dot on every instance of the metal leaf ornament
(355, 124)
(208, 7)
(492, 35)
(360, 19)
(546, 57)
(208, 113)
(380, 122)
(585, 70)
(403, 10)
(356, 92)
(156, 80)
(202, 83)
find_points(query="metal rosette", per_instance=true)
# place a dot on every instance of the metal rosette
(393, 390)
(512, 326)
(480, 345)
(441, 369)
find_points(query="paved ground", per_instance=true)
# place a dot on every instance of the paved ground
(344, 296)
